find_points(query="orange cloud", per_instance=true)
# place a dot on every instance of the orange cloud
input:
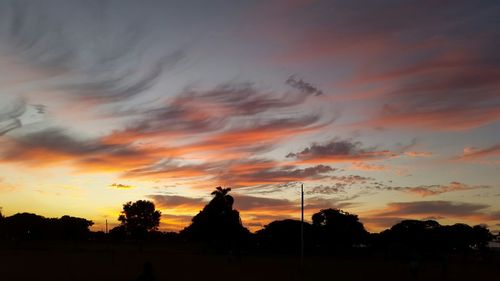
(339, 151)
(367, 167)
(480, 155)
(450, 119)
(418, 153)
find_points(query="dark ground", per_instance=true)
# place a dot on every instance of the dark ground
(108, 261)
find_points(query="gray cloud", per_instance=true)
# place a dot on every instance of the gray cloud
(56, 145)
(248, 203)
(282, 174)
(9, 116)
(173, 201)
(339, 150)
(428, 190)
(94, 53)
(304, 87)
(17, 113)
(219, 108)
(427, 61)
(439, 208)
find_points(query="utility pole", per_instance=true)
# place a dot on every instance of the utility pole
(106, 226)
(302, 226)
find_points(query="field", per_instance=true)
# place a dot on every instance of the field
(106, 261)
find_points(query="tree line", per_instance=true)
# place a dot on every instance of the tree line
(219, 224)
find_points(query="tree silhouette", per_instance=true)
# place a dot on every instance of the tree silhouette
(26, 226)
(481, 236)
(218, 221)
(415, 235)
(2, 230)
(73, 228)
(139, 218)
(338, 229)
(283, 236)
(429, 235)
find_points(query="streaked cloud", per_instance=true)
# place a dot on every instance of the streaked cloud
(429, 190)
(339, 151)
(483, 155)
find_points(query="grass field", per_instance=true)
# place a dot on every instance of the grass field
(106, 261)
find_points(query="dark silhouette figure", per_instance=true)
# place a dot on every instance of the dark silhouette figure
(218, 221)
(139, 218)
(147, 273)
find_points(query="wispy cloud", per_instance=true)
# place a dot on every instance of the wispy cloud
(429, 190)
(484, 155)
(339, 151)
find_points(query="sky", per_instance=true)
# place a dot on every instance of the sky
(386, 109)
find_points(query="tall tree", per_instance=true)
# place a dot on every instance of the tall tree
(139, 218)
(218, 221)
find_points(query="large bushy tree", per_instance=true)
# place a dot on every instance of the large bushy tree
(138, 218)
(336, 228)
(284, 236)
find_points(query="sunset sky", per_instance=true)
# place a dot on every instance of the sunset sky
(386, 109)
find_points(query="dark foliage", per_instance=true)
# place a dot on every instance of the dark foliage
(284, 236)
(336, 229)
(431, 236)
(26, 226)
(138, 219)
(218, 222)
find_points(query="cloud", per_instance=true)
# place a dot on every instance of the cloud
(444, 118)
(225, 110)
(418, 153)
(361, 166)
(339, 151)
(176, 201)
(432, 69)
(277, 175)
(479, 155)
(304, 87)
(435, 208)
(54, 146)
(430, 190)
(113, 68)
(121, 186)
(170, 222)
(252, 203)
(10, 114)
(325, 189)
